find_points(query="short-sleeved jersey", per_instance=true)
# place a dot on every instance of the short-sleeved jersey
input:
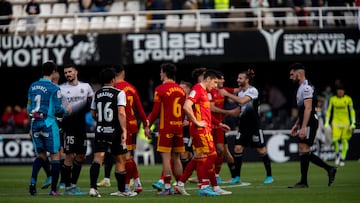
(79, 98)
(306, 91)
(133, 106)
(249, 117)
(199, 96)
(219, 101)
(106, 102)
(340, 111)
(44, 98)
(169, 99)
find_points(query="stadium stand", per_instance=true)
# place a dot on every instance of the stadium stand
(132, 16)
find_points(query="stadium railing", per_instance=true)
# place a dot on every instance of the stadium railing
(195, 20)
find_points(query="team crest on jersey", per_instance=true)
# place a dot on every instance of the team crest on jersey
(192, 93)
(58, 94)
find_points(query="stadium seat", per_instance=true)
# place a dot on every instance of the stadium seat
(67, 24)
(41, 25)
(45, 9)
(132, 5)
(18, 10)
(82, 23)
(96, 22)
(269, 19)
(188, 20)
(172, 21)
(145, 150)
(141, 21)
(73, 8)
(59, 9)
(111, 22)
(205, 20)
(117, 6)
(126, 22)
(53, 24)
(20, 25)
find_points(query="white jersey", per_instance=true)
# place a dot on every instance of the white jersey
(76, 95)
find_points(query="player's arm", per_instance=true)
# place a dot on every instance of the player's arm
(121, 103)
(352, 114)
(239, 100)
(190, 114)
(306, 118)
(328, 114)
(140, 110)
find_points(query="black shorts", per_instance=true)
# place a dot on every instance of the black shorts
(187, 139)
(254, 139)
(75, 142)
(108, 143)
(311, 134)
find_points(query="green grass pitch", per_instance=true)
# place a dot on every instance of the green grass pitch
(14, 182)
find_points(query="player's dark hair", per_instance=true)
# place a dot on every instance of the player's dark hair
(106, 75)
(70, 65)
(48, 68)
(119, 68)
(212, 74)
(169, 69)
(197, 72)
(297, 66)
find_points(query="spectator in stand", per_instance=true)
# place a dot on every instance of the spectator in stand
(278, 14)
(156, 5)
(7, 119)
(298, 6)
(318, 3)
(85, 5)
(33, 10)
(5, 16)
(338, 14)
(101, 5)
(221, 5)
(246, 4)
(21, 118)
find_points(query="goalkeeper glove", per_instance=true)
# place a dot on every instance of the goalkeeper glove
(326, 125)
(353, 126)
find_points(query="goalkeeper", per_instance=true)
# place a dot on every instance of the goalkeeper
(340, 115)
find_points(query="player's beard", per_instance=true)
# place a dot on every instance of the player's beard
(70, 79)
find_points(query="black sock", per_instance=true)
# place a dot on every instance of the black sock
(319, 162)
(120, 178)
(46, 167)
(37, 164)
(304, 167)
(267, 164)
(108, 164)
(65, 175)
(61, 177)
(232, 168)
(238, 157)
(75, 172)
(55, 172)
(94, 174)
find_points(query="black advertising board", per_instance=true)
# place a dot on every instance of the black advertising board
(242, 46)
(33, 50)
